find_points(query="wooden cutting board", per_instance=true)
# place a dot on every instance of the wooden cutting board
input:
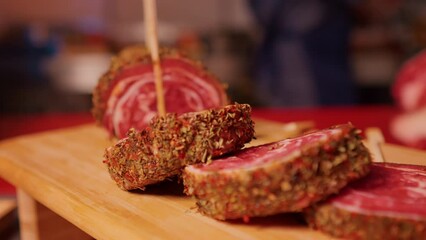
(63, 170)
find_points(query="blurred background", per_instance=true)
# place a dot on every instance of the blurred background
(52, 52)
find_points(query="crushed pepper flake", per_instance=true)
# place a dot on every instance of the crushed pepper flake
(171, 142)
(269, 188)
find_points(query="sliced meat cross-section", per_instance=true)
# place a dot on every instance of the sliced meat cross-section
(283, 176)
(125, 96)
(169, 143)
(389, 203)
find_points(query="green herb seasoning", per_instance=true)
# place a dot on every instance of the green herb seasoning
(341, 223)
(171, 142)
(278, 184)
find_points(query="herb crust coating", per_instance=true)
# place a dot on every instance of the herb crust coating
(345, 224)
(321, 169)
(171, 142)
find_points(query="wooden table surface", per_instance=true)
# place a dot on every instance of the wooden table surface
(63, 170)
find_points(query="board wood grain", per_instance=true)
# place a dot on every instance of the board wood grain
(63, 170)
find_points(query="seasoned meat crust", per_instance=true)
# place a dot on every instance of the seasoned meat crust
(169, 143)
(285, 176)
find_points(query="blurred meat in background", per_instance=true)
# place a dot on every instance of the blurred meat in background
(409, 91)
(52, 52)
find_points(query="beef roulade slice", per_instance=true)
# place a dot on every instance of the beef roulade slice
(283, 176)
(169, 143)
(389, 203)
(125, 96)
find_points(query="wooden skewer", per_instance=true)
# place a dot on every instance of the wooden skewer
(375, 139)
(151, 39)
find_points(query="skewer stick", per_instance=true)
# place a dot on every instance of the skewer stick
(375, 139)
(151, 39)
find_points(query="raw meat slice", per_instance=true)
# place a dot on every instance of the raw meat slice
(125, 96)
(409, 89)
(283, 176)
(410, 128)
(169, 143)
(390, 203)
(409, 92)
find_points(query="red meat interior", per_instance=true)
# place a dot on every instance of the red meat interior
(389, 189)
(266, 153)
(186, 89)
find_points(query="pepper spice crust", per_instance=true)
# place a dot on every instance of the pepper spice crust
(283, 184)
(340, 223)
(169, 143)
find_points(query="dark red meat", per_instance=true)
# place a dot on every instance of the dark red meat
(390, 203)
(393, 190)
